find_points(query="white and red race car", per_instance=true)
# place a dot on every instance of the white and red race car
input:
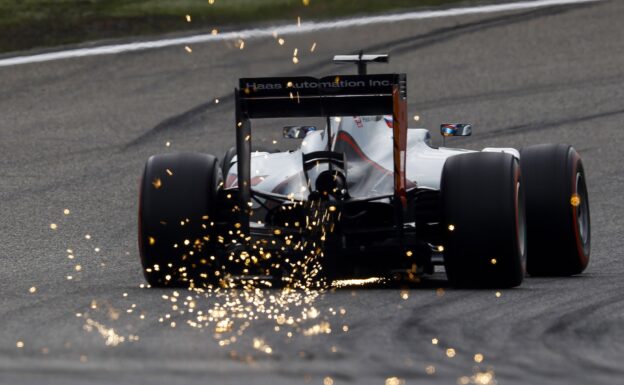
(365, 194)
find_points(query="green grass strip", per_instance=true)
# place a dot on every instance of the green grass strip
(27, 24)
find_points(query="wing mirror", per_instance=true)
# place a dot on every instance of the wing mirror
(456, 129)
(297, 132)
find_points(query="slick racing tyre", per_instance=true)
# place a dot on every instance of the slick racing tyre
(227, 161)
(176, 207)
(557, 209)
(483, 220)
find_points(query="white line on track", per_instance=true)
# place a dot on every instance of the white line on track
(283, 30)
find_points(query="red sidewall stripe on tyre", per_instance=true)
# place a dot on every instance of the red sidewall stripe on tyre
(140, 232)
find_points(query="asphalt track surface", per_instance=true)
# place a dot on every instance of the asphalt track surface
(75, 134)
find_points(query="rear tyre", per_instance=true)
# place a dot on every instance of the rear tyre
(557, 209)
(176, 207)
(483, 220)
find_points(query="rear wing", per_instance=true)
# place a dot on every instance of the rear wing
(339, 95)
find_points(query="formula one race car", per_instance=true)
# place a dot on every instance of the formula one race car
(365, 195)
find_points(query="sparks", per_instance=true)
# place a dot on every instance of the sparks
(111, 338)
(394, 381)
(575, 200)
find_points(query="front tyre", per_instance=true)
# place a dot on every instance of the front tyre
(176, 208)
(227, 161)
(557, 205)
(483, 220)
